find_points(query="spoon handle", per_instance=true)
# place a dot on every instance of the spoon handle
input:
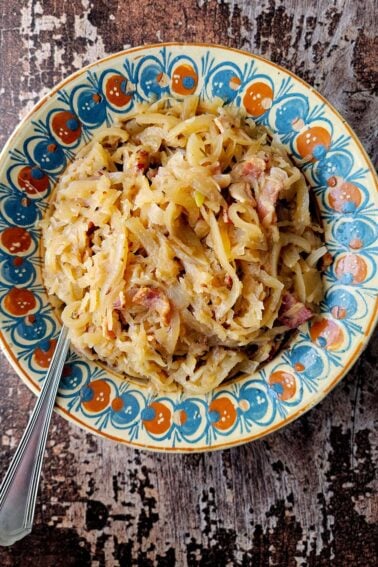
(19, 488)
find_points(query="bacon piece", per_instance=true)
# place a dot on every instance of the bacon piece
(249, 170)
(268, 195)
(267, 192)
(267, 199)
(153, 298)
(228, 281)
(142, 161)
(293, 312)
(254, 167)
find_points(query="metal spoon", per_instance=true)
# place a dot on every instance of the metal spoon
(19, 488)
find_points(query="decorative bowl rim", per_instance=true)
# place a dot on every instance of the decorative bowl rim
(368, 330)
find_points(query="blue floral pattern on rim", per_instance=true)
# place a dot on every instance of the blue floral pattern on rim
(321, 145)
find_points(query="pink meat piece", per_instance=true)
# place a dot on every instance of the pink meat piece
(228, 281)
(142, 161)
(267, 199)
(293, 312)
(153, 298)
(267, 196)
(254, 168)
(248, 170)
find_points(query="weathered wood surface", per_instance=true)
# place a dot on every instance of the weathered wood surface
(305, 496)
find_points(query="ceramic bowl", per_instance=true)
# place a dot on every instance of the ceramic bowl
(342, 180)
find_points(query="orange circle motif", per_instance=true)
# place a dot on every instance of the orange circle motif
(100, 396)
(160, 420)
(184, 80)
(32, 180)
(19, 301)
(43, 357)
(313, 143)
(226, 412)
(116, 90)
(343, 195)
(258, 98)
(66, 126)
(16, 239)
(327, 333)
(286, 384)
(351, 269)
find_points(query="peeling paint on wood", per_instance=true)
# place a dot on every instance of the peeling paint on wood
(306, 495)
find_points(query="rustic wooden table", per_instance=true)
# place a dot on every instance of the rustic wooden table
(304, 496)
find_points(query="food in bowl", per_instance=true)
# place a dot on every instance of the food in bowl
(182, 246)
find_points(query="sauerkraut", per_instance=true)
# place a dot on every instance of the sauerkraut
(181, 246)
